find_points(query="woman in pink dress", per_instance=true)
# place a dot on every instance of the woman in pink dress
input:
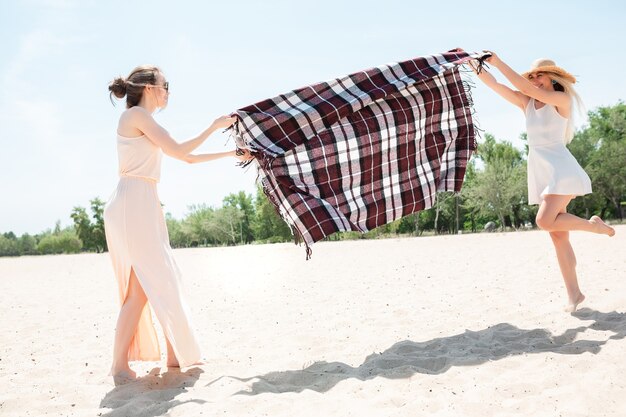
(545, 94)
(136, 231)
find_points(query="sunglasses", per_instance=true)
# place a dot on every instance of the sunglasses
(165, 86)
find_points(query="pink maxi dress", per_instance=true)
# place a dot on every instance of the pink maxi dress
(137, 238)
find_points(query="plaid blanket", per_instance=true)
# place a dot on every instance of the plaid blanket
(363, 150)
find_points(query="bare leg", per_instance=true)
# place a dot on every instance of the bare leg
(172, 361)
(127, 321)
(555, 207)
(567, 264)
(551, 218)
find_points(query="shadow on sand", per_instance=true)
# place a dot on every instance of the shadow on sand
(151, 395)
(436, 356)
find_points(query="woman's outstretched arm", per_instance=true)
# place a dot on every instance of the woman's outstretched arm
(144, 121)
(514, 97)
(206, 157)
(555, 98)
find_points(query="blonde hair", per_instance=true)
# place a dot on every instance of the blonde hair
(577, 105)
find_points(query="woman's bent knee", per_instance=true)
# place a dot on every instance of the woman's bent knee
(543, 223)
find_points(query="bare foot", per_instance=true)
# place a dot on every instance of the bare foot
(173, 363)
(602, 227)
(177, 365)
(123, 376)
(573, 304)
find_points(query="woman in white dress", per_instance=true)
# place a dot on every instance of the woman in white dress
(136, 231)
(545, 95)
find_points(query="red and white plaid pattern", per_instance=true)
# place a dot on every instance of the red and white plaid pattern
(360, 151)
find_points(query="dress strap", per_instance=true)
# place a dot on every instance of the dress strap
(530, 105)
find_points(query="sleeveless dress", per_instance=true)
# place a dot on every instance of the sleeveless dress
(137, 238)
(552, 169)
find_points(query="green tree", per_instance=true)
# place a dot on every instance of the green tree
(178, 237)
(584, 148)
(90, 233)
(83, 227)
(57, 227)
(445, 212)
(226, 225)
(268, 225)
(9, 245)
(499, 189)
(608, 173)
(600, 149)
(197, 225)
(63, 242)
(98, 234)
(27, 244)
(473, 219)
(409, 224)
(492, 149)
(245, 204)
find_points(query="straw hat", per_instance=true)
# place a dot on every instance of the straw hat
(548, 65)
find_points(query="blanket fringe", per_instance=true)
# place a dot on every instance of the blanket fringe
(468, 86)
(298, 239)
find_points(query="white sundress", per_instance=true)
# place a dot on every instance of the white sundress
(552, 169)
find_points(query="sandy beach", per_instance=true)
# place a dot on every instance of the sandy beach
(468, 325)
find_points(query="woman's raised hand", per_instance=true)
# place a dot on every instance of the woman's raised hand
(224, 122)
(243, 155)
(493, 59)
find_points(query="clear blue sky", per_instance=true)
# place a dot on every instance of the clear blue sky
(57, 125)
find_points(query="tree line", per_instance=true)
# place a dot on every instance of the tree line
(494, 193)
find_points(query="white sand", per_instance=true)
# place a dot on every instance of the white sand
(468, 325)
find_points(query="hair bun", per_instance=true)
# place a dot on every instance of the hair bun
(118, 87)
